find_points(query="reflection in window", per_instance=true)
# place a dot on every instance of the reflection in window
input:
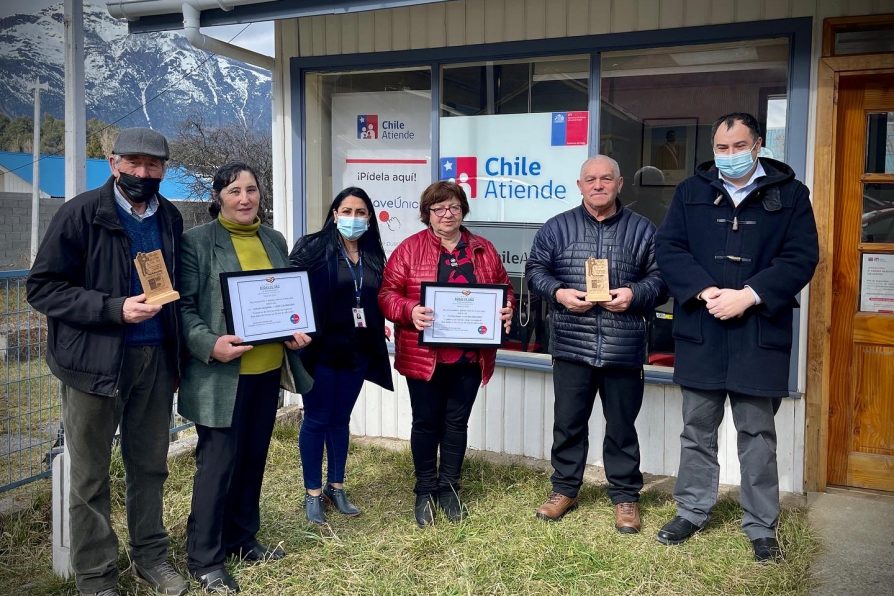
(878, 213)
(651, 92)
(541, 85)
(880, 143)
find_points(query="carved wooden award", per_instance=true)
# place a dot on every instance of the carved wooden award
(597, 280)
(154, 276)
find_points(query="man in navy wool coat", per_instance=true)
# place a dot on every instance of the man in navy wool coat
(738, 244)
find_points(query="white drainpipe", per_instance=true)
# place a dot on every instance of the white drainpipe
(215, 46)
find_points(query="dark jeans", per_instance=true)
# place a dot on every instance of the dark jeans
(226, 490)
(143, 411)
(441, 409)
(621, 392)
(327, 414)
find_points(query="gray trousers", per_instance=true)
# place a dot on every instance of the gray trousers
(143, 410)
(699, 475)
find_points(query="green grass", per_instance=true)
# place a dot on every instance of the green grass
(500, 549)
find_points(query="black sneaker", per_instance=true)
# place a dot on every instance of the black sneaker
(162, 578)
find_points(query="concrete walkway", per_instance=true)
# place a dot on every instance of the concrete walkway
(857, 533)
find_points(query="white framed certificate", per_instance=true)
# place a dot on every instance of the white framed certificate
(267, 305)
(465, 315)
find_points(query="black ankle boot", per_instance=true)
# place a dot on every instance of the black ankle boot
(338, 498)
(425, 510)
(448, 501)
(313, 508)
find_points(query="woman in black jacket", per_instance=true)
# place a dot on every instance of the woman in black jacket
(345, 260)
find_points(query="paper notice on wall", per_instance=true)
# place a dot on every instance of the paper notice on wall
(877, 283)
(381, 142)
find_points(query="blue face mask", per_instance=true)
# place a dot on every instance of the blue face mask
(736, 165)
(351, 228)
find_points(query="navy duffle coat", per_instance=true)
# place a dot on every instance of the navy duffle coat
(769, 243)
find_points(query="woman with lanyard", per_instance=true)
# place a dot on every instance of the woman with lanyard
(345, 260)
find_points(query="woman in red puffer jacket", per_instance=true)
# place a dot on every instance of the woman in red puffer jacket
(443, 381)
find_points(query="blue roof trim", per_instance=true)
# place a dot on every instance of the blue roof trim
(175, 185)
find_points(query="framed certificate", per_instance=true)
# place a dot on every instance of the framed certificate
(267, 305)
(466, 315)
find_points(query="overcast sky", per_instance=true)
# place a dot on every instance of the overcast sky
(257, 37)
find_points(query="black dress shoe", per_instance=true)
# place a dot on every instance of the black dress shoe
(766, 550)
(424, 510)
(338, 498)
(218, 581)
(256, 552)
(676, 531)
(313, 508)
(449, 503)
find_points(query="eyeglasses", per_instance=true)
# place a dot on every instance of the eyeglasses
(442, 211)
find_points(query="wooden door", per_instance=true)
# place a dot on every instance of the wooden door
(861, 400)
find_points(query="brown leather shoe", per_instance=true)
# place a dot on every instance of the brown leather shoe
(556, 506)
(627, 519)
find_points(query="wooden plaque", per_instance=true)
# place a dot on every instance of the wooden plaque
(597, 280)
(154, 277)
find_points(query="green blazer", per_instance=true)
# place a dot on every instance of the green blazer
(208, 387)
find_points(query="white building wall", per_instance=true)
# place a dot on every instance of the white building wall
(514, 413)
(11, 182)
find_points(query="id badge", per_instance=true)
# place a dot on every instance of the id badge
(359, 317)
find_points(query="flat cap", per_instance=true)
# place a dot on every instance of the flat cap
(141, 141)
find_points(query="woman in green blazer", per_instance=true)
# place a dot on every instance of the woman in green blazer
(230, 390)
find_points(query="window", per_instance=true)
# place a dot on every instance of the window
(514, 134)
(370, 129)
(656, 114)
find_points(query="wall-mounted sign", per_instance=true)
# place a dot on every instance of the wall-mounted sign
(381, 142)
(877, 283)
(515, 167)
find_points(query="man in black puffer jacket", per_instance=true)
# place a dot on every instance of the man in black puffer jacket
(597, 346)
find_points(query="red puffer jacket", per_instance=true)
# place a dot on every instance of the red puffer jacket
(416, 260)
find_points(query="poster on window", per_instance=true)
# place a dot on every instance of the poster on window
(381, 142)
(877, 283)
(518, 168)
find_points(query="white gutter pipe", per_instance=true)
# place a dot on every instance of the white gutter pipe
(209, 44)
(134, 9)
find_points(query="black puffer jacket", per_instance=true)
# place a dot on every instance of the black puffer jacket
(557, 260)
(80, 279)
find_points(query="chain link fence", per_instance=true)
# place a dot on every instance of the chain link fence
(30, 396)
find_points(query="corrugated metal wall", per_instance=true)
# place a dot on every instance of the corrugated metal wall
(514, 413)
(466, 22)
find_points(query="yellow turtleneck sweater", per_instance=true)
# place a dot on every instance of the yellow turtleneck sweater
(251, 254)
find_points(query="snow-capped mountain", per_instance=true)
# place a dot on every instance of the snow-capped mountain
(149, 79)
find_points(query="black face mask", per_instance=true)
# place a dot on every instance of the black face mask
(138, 190)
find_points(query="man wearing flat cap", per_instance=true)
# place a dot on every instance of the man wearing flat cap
(116, 356)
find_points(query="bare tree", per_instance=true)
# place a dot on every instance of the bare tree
(201, 148)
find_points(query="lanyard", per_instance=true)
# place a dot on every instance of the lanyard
(358, 280)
